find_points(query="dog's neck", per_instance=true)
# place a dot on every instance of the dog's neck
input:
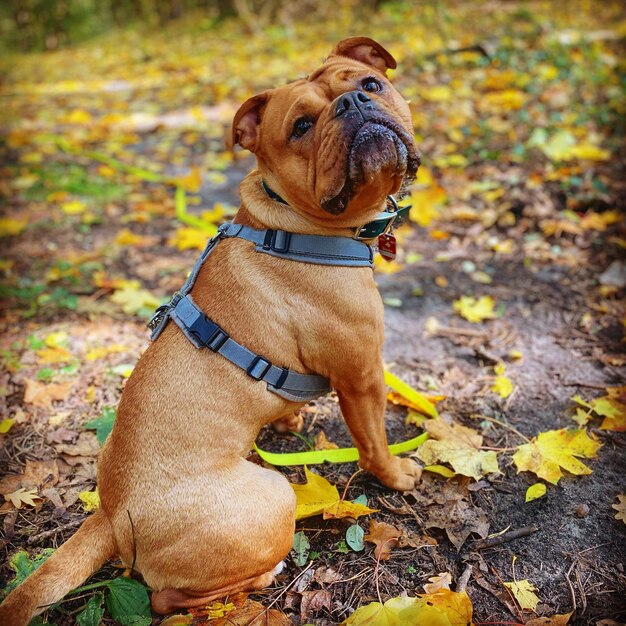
(260, 211)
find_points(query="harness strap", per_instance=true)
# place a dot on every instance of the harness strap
(317, 249)
(203, 332)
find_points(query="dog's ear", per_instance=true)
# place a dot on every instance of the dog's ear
(367, 51)
(247, 120)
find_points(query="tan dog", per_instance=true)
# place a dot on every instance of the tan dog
(206, 522)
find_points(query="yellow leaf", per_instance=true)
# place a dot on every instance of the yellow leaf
(90, 500)
(186, 238)
(460, 447)
(10, 227)
(506, 100)
(412, 398)
(386, 267)
(523, 591)
(322, 443)
(21, 496)
(535, 491)
(78, 116)
(177, 620)
(442, 470)
(442, 608)
(54, 355)
(502, 384)
(437, 93)
(57, 339)
(555, 449)
(318, 496)
(99, 353)
(73, 207)
(132, 299)
(475, 310)
(599, 221)
(126, 237)
(192, 181)
(5, 425)
(589, 152)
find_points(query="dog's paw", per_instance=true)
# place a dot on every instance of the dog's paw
(403, 475)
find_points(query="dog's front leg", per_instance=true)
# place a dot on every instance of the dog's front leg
(363, 399)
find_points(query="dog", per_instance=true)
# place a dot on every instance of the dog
(180, 503)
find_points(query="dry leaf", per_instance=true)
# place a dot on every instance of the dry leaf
(441, 581)
(475, 310)
(523, 591)
(384, 536)
(21, 497)
(314, 601)
(322, 443)
(460, 447)
(36, 474)
(620, 508)
(42, 394)
(555, 620)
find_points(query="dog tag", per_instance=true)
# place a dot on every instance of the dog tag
(387, 247)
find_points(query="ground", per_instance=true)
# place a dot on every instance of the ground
(520, 198)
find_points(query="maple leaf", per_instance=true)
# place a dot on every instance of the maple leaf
(475, 310)
(620, 508)
(460, 447)
(443, 608)
(54, 355)
(22, 496)
(385, 537)
(323, 443)
(186, 238)
(550, 451)
(42, 395)
(99, 353)
(240, 611)
(317, 496)
(523, 592)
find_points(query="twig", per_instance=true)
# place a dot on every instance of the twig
(578, 383)
(345, 491)
(291, 584)
(569, 584)
(490, 542)
(51, 533)
(503, 424)
(378, 563)
(464, 579)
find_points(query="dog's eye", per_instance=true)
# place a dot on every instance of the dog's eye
(372, 85)
(301, 126)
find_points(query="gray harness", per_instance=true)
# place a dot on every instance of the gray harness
(203, 332)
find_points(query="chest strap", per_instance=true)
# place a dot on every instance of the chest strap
(202, 332)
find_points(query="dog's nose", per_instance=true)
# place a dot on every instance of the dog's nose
(355, 100)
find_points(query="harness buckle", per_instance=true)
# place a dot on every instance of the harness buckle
(258, 368)
(217, 340)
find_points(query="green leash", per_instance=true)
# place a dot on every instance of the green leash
(340, 455)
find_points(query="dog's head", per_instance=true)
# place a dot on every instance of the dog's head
(335, 144)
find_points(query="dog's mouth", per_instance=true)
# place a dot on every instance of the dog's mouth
(378, 147)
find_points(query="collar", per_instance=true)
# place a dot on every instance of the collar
(380, 225)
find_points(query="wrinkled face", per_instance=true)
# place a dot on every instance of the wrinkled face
(335, 144)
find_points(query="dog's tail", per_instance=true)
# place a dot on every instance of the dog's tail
(68, 567)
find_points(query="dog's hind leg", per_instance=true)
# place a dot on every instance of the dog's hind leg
(169, 600)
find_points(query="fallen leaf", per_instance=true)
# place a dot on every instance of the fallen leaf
(441, 581)
(460, 447)
(535, 491)
(177, 620)
(42, 394)
(133, 299)
(475, 310)
(406, 395)
(54, 355)
(317, 496)
(22, 496)
(620, 508)
(188, 238)
(550, 451)
(523, 591)
(322, 443)
(502, 384)
(6, 425)
(10, 227)
(384, 536)
(443, 608)
(36, 474)
(86, 445)
(99, 353)
(90, 500)
(313, 601)
(246, 612)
